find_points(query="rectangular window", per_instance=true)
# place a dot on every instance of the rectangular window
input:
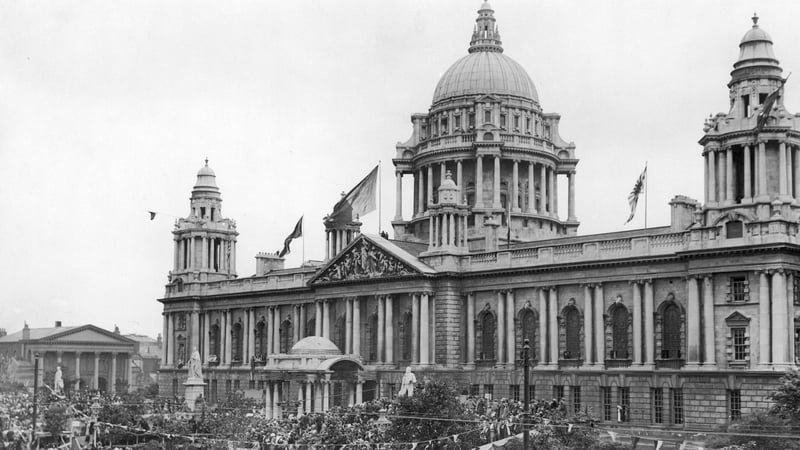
(624, 397)
(475, 390)
(206, 390)
(227, 387)
(471, 118)
(605, 395)
(487, 116)
(488, 391)
(392, 390)
(558, 392)
(746, 105)
(236, 385)
(502, 121)
(796, 291)
(532, 392)
(735, 403)
(739, 289)
(457, 121)
(576, 398)
(424, 132)
(516, 123)
(658, 405)
(677, 406)
(527, 124)
(513, 392)
(444, 125)
(739, 343)
(261, 384)
(762, 98)
(251, 384)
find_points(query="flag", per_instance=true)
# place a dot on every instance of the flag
(296, 233)
(633, 197)
(358, 202)
(768, 104)
(152, 215)
(613, 436)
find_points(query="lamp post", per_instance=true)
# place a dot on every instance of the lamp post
(93, 425)
(35, 392)
(526, 365)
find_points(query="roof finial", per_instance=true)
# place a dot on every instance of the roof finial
(206, 160)
(755, 20)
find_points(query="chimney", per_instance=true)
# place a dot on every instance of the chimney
(682, 212)
(3, 332)
(58, 324)
(26, 332)
(267, 262)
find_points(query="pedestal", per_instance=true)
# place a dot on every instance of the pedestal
(194, 390)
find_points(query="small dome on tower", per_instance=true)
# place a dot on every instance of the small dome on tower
(206, 182)
(756, 57)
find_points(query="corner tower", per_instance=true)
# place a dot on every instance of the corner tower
(751, 153)
(485, 125)
(205, 242)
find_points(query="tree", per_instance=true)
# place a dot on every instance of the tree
(787, 397)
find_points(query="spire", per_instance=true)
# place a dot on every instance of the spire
(485, 37)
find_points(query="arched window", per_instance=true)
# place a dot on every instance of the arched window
(572, 326)
(213, 341)
(528, 324)
(405, 337)
(311, 327)
(340, 334)
(619, 332)
(487, 324)
(180, 350)
(261, 340)
(671, 332)
(286, 336)
(372, 338)
(236, 342)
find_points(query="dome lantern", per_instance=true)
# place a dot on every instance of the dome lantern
(486, 35)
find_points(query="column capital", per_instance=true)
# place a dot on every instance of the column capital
(636, 282)
(78, 353)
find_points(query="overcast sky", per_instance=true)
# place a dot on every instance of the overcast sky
(107, 110)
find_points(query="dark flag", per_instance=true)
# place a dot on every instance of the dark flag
(358, 202)
(152, 215)
(633, 197)
(768, 104)
(296, 233)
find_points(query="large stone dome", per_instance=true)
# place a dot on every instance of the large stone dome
(485, 72)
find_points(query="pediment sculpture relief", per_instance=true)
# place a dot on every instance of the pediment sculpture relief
(365, 260)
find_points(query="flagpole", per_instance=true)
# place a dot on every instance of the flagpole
(379, 197)
(646, 192)
(303, 227)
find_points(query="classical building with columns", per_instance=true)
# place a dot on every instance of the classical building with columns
(686, 324)
(90, 357)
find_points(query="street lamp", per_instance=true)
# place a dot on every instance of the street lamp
(35, 392)
(526, 365)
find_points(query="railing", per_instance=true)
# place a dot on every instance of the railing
(483, 258)
(568, 250)
(616, 245)
(667, 240)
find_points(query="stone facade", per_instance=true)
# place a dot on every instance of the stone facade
(690, 323)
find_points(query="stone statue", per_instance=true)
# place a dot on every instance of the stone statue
(195, 365)
(11, 369)
(58, 381)
(407, 383)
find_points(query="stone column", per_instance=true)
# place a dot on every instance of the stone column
(790, 314)
(531, 190)
(381, 328)
(296, 320)
(204, 253)
(496, 184)
(711, 194)
(276, 330)
(164, 343)
(424, 325)
(326, 395)
(415, 328)
(542, 326)
(599, 326)
(420, 192)
(318, 400)
(206, 338)
(637, 323)
(553, 305)
(501, 328)
(96, 374)
(442, 172)
(318, 318)
(543, 191)
(555, 192)
(796, 165)
(303, 321)
(268, 400)
(429, 199)
(515, 187)
(326, 319)
(571, 197)
(588, 321)
(470, 359)
(762, 171)
(748, 175)
(510, 328)
(348, 321)
(128, 371)
(276, 400)
(460, 178)
(357, 326)
(649, 329)
(194, 316)
(359, 392)
(228, 340)
(709, 357)
(722, 181)
(398, 203)
(780, 321)
(479, 181)
(268, 330)
(389, 340)
(78, 371)
(113, 382)
(782, 167)
(729, 181)
(170, 339)
(552, 188)
(693, 321)
(308, 397)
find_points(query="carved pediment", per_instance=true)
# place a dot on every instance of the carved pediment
(365, 260)
(737, 318)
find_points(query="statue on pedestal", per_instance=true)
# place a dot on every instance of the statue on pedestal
(195, 365)
(58, 381)
(407, 383)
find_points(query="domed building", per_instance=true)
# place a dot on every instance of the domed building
(688, 324)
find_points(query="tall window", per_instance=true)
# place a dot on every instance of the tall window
(180, 351)
(471, 119)
(372, 337)
(558, 392)
(311, 327)
(513, 392)
(739, 343)
(528, 321)
(405, 337)
(340, 334)
(658, 405)
(486, 329)
(735, 403)
(503, 121)
(531, 391)
(261, 340)
(677, 406)
(487, 116)
(572, 322)
(624, 396)
(671, 332)
(286, 332)
(738, 339)
(237, 343)
(475, 390)
(620, 332)
(739, 291)
(605, 394)
(576, 398)
(516, 123)
(213, 340)
(488, 391)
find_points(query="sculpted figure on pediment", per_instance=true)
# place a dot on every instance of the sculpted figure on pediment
(364, 261)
